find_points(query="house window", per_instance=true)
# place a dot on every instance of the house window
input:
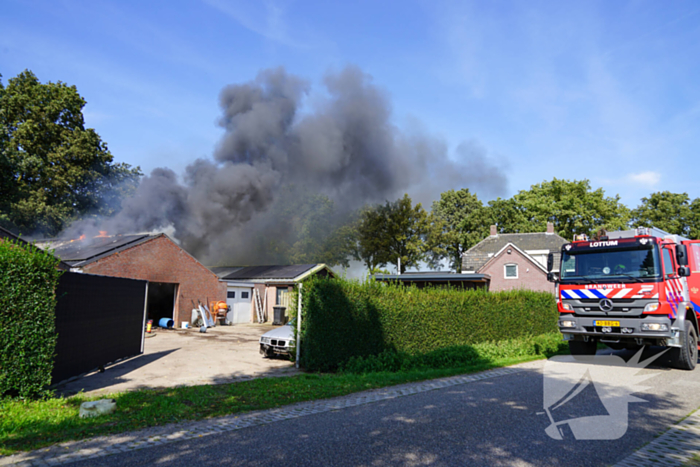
(511, 271)
(244, 294)
(281, 296)
(230, 294)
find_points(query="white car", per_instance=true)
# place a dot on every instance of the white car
(278, 341)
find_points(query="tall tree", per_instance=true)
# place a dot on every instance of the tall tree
(302, 227)
(393, 231)
(672, 212)
(320, 238)
(52, 168)
(372, 242)
(459, 224)
(572, 206)
(507, 215)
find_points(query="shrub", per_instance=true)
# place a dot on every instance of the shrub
(28, 280)
(457, 357)
(345, 319)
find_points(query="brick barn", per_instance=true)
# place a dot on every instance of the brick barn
(175, 278)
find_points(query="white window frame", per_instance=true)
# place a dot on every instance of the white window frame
(505, 271)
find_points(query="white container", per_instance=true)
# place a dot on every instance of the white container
(185, 325)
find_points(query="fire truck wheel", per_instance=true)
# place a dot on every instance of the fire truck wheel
(686, 357)
(582, 347)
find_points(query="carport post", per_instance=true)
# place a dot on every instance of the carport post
(298, 342)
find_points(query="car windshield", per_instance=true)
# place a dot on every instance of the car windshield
(618, 265)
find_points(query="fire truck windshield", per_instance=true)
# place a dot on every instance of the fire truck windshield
(635, 264)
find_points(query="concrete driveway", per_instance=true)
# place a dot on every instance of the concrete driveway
(186, 357)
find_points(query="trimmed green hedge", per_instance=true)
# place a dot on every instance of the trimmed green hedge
(344, 319)
(28, 280)
(545, 345)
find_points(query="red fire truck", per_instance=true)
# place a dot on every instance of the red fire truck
(628, 289)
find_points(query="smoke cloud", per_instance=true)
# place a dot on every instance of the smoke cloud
(346, 147)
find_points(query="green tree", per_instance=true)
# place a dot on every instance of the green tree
(507, 215)
(393, 231)
(319, 237)
(459, 223)
(53, 169)
(303, 228)
(672, 212)
(572, 206)
(372, 242)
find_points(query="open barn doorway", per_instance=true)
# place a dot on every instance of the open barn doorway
(161, 301)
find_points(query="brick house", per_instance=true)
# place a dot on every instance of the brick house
(514, 261)
(176, 279)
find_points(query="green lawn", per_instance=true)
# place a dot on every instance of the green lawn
(29, 425)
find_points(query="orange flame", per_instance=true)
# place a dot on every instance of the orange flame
(103, 234)
(82, 237)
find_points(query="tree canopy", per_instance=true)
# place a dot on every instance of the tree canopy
(52, 168)
(572, 206)
(461, 223)
(672, 212)
(393, 231)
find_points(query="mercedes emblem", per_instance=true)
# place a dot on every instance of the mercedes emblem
(606, 304)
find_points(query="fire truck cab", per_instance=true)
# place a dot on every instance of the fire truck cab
(628, 289)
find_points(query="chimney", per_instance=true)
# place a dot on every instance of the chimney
(550, 228)
(494, 232)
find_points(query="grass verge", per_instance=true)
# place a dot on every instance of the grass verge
(29, 425)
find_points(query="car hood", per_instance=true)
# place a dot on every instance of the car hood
(282, 332)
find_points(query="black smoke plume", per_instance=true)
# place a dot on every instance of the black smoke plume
(346, 148)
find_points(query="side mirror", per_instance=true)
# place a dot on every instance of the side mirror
(550, 262)
(682, 255)
(552, 277)
(683, 271)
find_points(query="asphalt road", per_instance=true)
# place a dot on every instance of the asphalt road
(499, 421)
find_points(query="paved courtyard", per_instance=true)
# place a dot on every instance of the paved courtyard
(186, 357)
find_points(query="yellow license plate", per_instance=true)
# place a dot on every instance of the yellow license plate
(612, 324)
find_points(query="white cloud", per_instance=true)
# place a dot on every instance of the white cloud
(647, 178)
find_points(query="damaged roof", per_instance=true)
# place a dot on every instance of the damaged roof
(78, 253)
(7, 234)
(270, 273)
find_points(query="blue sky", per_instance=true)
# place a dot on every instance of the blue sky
(607, 91)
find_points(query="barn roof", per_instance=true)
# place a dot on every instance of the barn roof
(79, 253)
(4, 233)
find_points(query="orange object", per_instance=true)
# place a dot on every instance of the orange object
(149, 326)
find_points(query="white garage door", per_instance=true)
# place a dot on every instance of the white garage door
(239, 299)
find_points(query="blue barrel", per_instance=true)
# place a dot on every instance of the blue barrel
(166, 323)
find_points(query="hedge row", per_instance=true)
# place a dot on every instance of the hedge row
(28, 280)
(545, 345)
(344, 319)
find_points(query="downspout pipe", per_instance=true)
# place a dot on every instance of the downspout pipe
(298, 342)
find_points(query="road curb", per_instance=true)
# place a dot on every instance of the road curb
(676, 447)
(124, 442)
